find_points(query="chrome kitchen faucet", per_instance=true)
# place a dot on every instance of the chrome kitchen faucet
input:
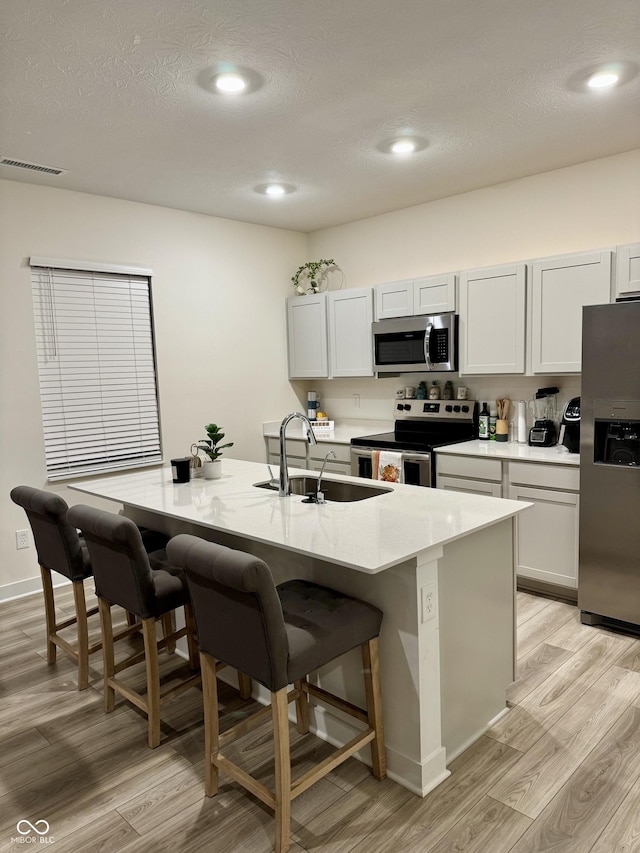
(285, 485)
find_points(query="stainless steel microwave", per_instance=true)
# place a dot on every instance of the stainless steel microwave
(416, 344)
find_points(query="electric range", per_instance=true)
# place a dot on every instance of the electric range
(420, 427)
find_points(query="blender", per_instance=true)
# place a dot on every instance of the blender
(544, 432)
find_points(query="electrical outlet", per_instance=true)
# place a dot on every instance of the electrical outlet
(356, 400)
(22, 539)
(429, 602)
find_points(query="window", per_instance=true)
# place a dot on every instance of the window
(96, 362)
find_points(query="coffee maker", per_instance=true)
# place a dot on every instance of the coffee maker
(544, 432)
(570, 429)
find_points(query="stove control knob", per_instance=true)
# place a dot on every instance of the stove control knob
(448, 408)
(400, 406)
(407, 407)
(456, 408)
(465, 408)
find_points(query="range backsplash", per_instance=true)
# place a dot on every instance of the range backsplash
(346, 399)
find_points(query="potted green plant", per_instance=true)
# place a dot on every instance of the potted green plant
(310, 277)
(213, 449)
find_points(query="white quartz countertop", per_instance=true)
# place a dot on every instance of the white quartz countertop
(341, 434)
(369, 535)
(512, 450)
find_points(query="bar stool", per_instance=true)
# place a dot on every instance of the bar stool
(145, 585)
(277, 635)
(61, 549)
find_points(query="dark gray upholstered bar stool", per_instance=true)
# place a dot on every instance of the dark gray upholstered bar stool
(145, 585)
(61, 549)
(277, 635)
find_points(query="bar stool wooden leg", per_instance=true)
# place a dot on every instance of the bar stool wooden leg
(302, 707)
(49, 613)
(153, 681)
(83, 634)
(106, 626)
(279, 706)
(192, 645)
(374, 706)
(211, 724)
(244, 685)
(169, 627)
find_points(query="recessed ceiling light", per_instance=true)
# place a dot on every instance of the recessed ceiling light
(226, 78)
(402, 146)
(275, 189)
(230, 83)
(603, 80)
(602, 76)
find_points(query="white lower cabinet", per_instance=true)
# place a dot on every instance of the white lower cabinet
(341, 464)
(296, 452)
(547, 540)
(469, 474)
(468, 486)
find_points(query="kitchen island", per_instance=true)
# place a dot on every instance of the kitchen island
(439, 565)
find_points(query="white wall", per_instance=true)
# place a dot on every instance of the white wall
(218, 296)
(589, 206)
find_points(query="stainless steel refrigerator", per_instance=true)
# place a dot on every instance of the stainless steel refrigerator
(609, 572)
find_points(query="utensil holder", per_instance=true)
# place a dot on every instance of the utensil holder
(502, 430)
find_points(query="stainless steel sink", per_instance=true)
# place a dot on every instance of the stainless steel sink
(334, 490)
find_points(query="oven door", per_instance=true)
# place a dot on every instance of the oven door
(416, 467)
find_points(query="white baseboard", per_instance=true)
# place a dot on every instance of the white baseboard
(30, 586)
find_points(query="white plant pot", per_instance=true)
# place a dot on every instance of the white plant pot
(213, 469)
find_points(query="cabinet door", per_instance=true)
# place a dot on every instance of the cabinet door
(560, 288)
(331, 467)
(307, 337)
(469, 487)
(492, 320)
(394, 299)
(547, 540)
(628, 269)
(434, 294)
(350, 343)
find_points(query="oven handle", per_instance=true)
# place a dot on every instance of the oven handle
(427, 341)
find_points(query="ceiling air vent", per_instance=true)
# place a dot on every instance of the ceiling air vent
(32, 167)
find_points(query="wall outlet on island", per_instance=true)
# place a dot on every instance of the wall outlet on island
(22, 539)
(429, 602)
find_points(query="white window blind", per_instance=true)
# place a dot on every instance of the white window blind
(97, 371)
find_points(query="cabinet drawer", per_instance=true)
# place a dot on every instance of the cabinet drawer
(294, 447)
(470, 466)
(547, 476)
(320, 450)
(331, 467)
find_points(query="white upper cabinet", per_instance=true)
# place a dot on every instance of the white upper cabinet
(560, 287)
(329, 334)
(394, 299)
(307, 337)
(492, 320)
(434, 294)
(628, 269)
(350, 344)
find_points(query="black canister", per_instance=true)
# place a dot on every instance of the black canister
(180, 469)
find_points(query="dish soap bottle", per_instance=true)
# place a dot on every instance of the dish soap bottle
(483, 423)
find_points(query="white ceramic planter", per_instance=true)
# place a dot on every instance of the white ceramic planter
(213, 469)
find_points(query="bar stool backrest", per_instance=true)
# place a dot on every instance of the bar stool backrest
(57, 541)
(120, 563)
(237, 609)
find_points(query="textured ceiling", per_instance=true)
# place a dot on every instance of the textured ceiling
(113, 91)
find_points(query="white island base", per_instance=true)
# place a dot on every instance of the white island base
(447, 645)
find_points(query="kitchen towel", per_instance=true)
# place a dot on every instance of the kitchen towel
(390, 467)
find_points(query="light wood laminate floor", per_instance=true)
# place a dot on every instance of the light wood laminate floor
(559, 773)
